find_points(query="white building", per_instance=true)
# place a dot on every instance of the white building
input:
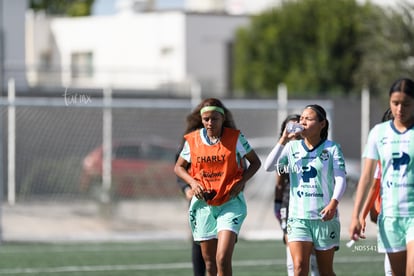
(231, 6)
(137, 48)
(205, 6)
(149, 50)
(12, 51)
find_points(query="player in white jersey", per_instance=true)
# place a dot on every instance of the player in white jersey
(316, 169)
(372, 204)
(281, 205)
(392, 144)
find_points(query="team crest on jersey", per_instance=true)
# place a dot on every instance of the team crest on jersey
(324, 155)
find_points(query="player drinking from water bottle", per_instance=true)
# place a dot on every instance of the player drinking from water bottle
(282, 190)
(315, 190)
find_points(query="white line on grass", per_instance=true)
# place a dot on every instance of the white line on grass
(88, 248)
(167, 266)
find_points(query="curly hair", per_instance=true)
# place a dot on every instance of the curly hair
(194, 118)
(194, 121)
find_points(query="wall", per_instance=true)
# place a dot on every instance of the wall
(208, 39)
(12, 42)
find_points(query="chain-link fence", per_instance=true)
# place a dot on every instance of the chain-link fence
(58, 162)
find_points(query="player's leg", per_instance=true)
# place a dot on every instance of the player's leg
(410, 245)
(325, 261)
(301, 251)
(209, 250)
(225, 248)
(199, 268)
(313, 264)
(398, 262)
(300, 244)
(229, 222)
(410, 258)
(392, 240)
(326, 240)
(203, 227)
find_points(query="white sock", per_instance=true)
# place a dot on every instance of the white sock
(313, 265)
(387, 266)
(289, 262)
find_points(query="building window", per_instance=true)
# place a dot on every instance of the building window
(82, 65)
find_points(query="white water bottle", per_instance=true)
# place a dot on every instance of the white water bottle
(292, 127)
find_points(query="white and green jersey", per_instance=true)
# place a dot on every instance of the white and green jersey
(312, 176)
(395, 151)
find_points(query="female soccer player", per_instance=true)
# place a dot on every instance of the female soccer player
(392, 144)
(212, 163)
(281, 204)
(373, 202)
(317, 182)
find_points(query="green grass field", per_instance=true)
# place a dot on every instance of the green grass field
(166, 258)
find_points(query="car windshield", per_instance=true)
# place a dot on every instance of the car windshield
(128, 152)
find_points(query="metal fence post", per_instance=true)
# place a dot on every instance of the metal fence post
(107, 146)
(11, 143)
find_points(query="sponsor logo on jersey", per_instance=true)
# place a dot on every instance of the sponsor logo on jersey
(308, 173)
(211, 159)
(399, 159)
(301, 194)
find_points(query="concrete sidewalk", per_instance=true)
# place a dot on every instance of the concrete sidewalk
(134, 220)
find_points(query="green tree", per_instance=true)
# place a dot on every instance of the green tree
(313, 46)
(63, 7)
(388, 51)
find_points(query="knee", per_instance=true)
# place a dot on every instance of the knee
(209, 262)
(222, 260)
(301, 267)
(211, 267)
